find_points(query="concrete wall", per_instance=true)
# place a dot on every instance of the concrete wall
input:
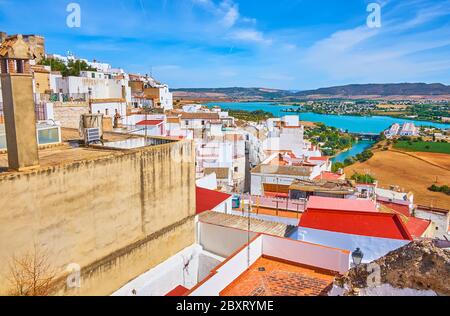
(440, 221)
(116, 216)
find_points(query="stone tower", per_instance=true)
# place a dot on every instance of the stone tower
(18, 103)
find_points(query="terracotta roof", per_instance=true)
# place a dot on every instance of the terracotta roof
(332, 204)
(323, 158)
(200, 116)
(399, 208)
(357, 223)
(178, 291)
(417, 227)
(280, 278)
(15, 47)
(330, 176)
(208, 200)
(283, 170)
(323, 186)
(173, 120)
(221, 173)
(150, 123)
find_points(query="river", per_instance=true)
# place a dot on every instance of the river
(354, 124)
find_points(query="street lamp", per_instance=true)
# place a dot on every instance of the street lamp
(357, 257)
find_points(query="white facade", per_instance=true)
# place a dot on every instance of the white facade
(187, 268)
(372, 247)
(100, 88)
(165, 97)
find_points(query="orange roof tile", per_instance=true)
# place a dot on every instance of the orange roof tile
(274, 277)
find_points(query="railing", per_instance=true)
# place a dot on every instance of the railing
(281, 204)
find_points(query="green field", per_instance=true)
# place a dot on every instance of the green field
(443, 148)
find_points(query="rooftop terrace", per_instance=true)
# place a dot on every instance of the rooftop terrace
(275, 277)
(70, 151)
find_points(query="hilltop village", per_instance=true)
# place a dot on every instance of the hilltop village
(120, 189)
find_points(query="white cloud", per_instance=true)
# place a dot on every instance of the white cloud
(230, 13)
(250, 35)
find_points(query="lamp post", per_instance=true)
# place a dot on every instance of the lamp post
(357, 257)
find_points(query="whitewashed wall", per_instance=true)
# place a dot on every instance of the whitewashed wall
(166, 276)
(221, 241)
(372, 247)
(226, 274)
(306, 253)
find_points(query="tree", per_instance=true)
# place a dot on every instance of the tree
(73, 67)
(31, 274)
(363, 178)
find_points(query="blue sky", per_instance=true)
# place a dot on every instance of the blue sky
(287, 44)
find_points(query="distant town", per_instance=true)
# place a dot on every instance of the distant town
(117, 187)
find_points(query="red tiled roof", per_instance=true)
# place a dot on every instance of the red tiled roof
(334, 204)
(330, 176)
(150, 123)
(276, 194)
(324, 158)
(357, 223)
(417, 227)
(207, 200)
(402, 209)
(178, 291)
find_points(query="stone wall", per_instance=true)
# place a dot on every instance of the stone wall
(69, 116)
(116, 217)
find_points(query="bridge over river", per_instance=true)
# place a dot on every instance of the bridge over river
(366, 136)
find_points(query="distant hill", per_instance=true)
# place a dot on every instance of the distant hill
(232, 93)
(404, 89)
(353, 90)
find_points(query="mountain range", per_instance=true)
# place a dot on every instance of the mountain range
(349, 91)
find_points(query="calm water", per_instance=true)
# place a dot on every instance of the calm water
(355, 124)
(356, 149)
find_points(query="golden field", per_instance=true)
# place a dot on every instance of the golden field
(410, 171)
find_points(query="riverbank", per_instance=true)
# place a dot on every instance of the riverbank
(354, 124)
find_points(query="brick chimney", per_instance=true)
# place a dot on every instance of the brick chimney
(3, 36)
(18, 104)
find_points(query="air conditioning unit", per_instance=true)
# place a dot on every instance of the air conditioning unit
(91, 135)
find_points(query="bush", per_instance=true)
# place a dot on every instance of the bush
(363, 178)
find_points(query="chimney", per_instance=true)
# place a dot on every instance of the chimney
(3, 36)
(18, 105)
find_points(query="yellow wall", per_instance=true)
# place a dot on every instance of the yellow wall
(42, 82)
(93, 213)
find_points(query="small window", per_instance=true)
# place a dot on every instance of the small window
(187, 123)
(93, 76)
(236, 169)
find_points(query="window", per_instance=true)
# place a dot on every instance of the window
(93, 76)
(186, 123)
(20, 66)
(203, 123)
(236, 169)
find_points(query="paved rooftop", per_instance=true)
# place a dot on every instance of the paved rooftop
(68, 152)
(280, 279)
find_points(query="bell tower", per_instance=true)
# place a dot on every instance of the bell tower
(18, 103)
